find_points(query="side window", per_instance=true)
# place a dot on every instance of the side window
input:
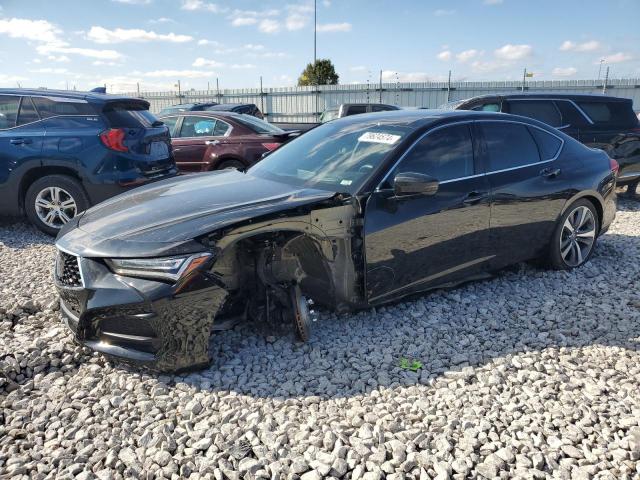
(8, 111)
(356, 109)
(618, 114)
(50, 107)
(548, 144)
(445, 154)
(197, 127)
(381, 108)
(27, 113)
(570, 114)
(487, 107)
(170, 122)
(221, 128)
(509, 145)
(542, 110)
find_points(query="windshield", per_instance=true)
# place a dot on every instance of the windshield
(335, 156)
(257, 125)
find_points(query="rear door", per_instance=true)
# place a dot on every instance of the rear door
(416, 242)
(527, 186)
(543, 110)
(21, 140)
(190, 142)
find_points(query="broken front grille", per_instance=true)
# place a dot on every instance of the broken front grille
(68, 270)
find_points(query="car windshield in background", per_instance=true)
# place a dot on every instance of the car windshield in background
(129, 115)
(258, 126)
(329, 115)
(335, 157)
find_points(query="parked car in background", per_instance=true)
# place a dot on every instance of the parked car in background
(62, 152)
(187, 107)
(244, 108)
(355, 213)
(599, 121)
(204, 141)
(347, 109)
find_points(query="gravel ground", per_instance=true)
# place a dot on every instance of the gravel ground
(533, 374)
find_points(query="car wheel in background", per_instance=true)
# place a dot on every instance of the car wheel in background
(52, 201)
(575, 236)
(237, 164)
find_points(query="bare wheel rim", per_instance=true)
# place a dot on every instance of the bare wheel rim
(577, 236)
(55, 206)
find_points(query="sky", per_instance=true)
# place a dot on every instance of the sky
(154, 43)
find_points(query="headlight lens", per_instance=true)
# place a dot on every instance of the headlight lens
(167, 268)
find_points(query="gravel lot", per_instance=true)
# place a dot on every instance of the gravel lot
(533, 374)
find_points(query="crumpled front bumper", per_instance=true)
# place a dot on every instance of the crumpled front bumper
(163, 326)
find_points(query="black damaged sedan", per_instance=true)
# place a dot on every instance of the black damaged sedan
(357, 212)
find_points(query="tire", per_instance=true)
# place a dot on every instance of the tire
(60, 198)
(237, 164)
(572, 247)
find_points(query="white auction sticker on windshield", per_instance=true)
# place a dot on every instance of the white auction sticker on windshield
(379, 137)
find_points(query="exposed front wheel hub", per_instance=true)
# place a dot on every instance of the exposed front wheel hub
(302, 316)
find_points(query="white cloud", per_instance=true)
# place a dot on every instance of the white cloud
(37, 30)
(193, 5)
(162, 20)
(296, 21)
(443, 13)
(492, 2)
(390, 76)
(177, 74)
(513, 52)
(100, 63)
(119, 35)
(590, 46)
(203, 62)
(488, 67)
(467, 55)
(445, 56)
(60, 58)
(244, 21)
(616, 58)
(269, 26)
(254, 47)
(564, 71)
(335, 27)
(55, 71)
(10, 79)
(213, 43)
(83, 52)
(242, 66)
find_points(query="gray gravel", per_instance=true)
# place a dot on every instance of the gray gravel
(533, 374)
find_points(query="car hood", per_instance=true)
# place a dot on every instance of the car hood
(164, 217)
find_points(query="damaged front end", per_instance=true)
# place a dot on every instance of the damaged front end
(264, 268)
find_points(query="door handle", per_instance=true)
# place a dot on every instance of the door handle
(474, 197)
(212, 142)
(176, 150)
(550, 172)
(20, 141)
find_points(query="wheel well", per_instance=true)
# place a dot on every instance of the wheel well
(221, 160)
(39, 172)
(596, 204)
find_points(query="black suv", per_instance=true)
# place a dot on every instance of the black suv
(599, 121)
(62, 152)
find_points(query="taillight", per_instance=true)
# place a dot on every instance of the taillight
(271, 146)
(113, 139)
(614, 166)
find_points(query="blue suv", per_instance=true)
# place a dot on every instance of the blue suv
(62, 152)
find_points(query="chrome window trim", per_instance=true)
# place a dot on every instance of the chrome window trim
(582, 112)
(461, 122)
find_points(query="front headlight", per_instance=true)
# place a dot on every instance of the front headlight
(167, 268)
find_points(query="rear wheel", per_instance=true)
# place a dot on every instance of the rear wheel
(54, 200)
(574, 237)
(237, 164)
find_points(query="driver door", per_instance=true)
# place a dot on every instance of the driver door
(415, 242)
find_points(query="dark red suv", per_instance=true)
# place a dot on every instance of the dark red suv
(204, 141)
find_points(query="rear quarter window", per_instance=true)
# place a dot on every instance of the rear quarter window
(614, 114)
(8, 111)
(542, 110)
(55, 106)
(549, 145)
(128, 115)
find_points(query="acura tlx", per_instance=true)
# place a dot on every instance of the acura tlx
(358, 212)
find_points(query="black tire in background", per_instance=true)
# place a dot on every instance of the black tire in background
(237, 164)
(574, 231)
(44, 191)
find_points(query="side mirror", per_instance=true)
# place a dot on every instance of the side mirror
(411, 183)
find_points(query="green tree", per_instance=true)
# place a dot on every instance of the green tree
(324, 73)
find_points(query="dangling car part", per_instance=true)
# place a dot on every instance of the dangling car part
(358, 212)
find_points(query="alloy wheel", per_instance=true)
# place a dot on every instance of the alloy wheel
(55, 206)
(577, 236)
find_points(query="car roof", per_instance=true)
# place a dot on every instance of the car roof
(224, 106)
(206, 113)
(550, 95)
(45, 92)
(422, 118)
